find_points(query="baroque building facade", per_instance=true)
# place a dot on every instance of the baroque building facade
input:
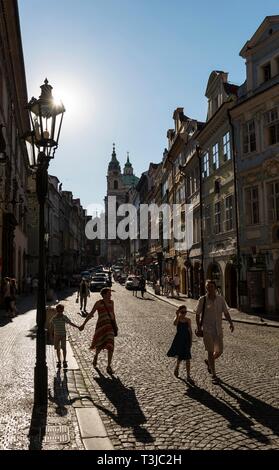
(256, 123)
(14, 166)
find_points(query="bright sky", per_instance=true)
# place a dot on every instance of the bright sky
(121, 67)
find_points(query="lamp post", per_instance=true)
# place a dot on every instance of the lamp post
(46, 119)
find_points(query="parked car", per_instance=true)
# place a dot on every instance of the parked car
(132, 283)
(122, 278)
(99, 281)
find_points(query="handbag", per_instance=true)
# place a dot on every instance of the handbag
(113, 322)
(199, 331)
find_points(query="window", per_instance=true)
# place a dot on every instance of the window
(115, 184)
(165, 187)
(205, 165)
(274, 134)
(217, 217)
(266, 72)
(252, 205)
(271, 120)
(273, 201)
(229, 213)
(215, 156)
(182, 194)
(249, 137)
(226, 147)
(271, 116)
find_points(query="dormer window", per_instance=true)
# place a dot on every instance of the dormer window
(266, 72)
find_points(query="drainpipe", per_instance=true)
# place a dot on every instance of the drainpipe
(236, 208)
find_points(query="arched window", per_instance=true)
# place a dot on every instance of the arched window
(115, 184)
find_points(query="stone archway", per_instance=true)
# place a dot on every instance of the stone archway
(231, 285)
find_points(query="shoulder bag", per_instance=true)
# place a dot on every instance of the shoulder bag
(199, 331)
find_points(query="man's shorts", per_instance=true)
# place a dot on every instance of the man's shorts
(59, 342)
(213, 342)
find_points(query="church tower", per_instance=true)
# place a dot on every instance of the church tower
(114, 173)
(118, 185)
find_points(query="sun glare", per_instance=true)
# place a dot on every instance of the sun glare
(73, 99)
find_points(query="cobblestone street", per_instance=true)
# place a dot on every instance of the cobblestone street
(18, 351)
(145, 407)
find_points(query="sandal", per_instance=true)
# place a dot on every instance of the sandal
(65, 364)
(215, 380)
(58, 365)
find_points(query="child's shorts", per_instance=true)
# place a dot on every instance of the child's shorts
(59, 342)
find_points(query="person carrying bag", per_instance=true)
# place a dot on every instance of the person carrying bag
(198, 330)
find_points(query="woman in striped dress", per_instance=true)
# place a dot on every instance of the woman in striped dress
(104, 334)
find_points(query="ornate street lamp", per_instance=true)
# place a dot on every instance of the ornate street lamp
(46, 119)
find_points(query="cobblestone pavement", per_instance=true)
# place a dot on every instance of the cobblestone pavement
(143, 406)
(17, 352)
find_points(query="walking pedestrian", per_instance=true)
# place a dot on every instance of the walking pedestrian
(142, 286)
(209, 325)
(106, 327)
(182, 343)
(136, 285)
(28, 284)
(83, 293)
(7, 297)
(58, 327)
(13, 293)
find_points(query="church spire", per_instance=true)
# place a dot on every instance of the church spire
(114, 163)
(128, 169)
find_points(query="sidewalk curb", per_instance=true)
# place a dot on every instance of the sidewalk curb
(91, 428)
(235, 320)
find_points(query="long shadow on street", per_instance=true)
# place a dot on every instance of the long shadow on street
(237, 420)
(37, 427)
(128, 411)
(265, 414)
(60, 395)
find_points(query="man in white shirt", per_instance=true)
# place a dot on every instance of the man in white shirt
(209, 314)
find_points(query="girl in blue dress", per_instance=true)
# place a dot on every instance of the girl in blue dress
(181, 345)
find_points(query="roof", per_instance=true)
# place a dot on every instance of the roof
(130, 180)
(231, 89)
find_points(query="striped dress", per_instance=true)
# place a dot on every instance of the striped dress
(103, 337)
